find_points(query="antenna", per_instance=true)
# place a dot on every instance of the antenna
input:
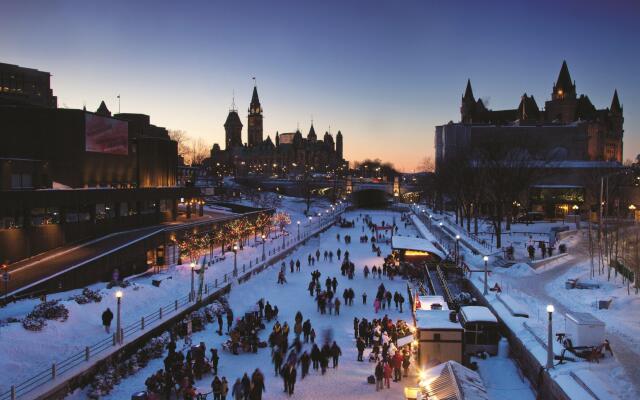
(311, 119)
(255, 83)
(233, 100)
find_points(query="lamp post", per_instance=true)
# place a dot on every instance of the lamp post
(550, 310)
(457, 249)
(235, 259)
(632, 208)
(264, 240)
(298, 229)
(118, 329)
(486, 274)
(192, 292)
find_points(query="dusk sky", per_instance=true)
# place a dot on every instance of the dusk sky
(384, 73)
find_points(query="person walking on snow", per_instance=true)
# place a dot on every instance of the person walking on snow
(336, 352)
(107, 317)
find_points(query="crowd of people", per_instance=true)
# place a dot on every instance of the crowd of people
(286, 358)
(296, 346)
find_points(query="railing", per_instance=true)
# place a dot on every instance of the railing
(174, 308)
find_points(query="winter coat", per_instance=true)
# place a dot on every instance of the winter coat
(397, 360)
(379, 372)
(387, 371)
(224, 387)
(336, 351)
(107, 317)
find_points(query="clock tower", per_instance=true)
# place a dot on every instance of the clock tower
(254, 129)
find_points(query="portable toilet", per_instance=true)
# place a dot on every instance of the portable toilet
(584, 329)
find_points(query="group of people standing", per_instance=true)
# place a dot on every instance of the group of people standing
(384, 297)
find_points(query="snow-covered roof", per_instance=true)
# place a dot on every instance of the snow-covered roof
(477, 314)
(453, 381)
(414, 243)
(435, 319)
(584, 319)
(427, 301)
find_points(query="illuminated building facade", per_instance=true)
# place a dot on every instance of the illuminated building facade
(291, 152)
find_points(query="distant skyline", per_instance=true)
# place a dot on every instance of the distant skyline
(384, 73)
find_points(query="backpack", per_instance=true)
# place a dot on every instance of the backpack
(371, 379)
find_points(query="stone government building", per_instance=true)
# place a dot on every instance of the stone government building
(581, 140)
(290, 152)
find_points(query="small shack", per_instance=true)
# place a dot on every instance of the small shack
(431, 303)
(440, 337)
(448, 381)
(481, 330)
(584, 329)
(414, 250)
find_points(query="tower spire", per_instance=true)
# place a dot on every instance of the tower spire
(468, 93)
(254, 128)
(564, 87)
(615, 102)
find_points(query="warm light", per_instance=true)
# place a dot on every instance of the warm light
(263, 237)
(575, 206)
(409, 253)
(193, 265)
(423, 375)
(119, 294)
(485, 258)
(550, 308)
(235, 247)
(632, 207)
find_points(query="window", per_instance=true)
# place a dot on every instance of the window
(45, 216)
(105, 211)
(21, 181)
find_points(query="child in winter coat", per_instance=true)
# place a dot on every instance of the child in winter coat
(387, 375)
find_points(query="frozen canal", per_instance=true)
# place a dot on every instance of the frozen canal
(346, 382)
(349, 380)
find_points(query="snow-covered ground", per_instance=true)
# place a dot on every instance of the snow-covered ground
(501, 379)
(520, 236)
(520, 285)
(25, 353)
(349, 380)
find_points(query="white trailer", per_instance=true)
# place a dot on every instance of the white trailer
(584, 329)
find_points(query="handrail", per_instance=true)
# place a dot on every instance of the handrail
(41, 378)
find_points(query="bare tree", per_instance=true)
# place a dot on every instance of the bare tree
(199, 151)
(193, 151)
(183, 140)
(426, 165)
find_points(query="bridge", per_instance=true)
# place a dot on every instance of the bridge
(365, 191)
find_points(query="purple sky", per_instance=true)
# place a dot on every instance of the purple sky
(383, 72)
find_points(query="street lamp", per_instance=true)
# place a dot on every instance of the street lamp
(118, 329)
(486, 283)
(264, 240)
(298, 229)
(457, 249)
(235, 259)
(550, 310)
(192, 292)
